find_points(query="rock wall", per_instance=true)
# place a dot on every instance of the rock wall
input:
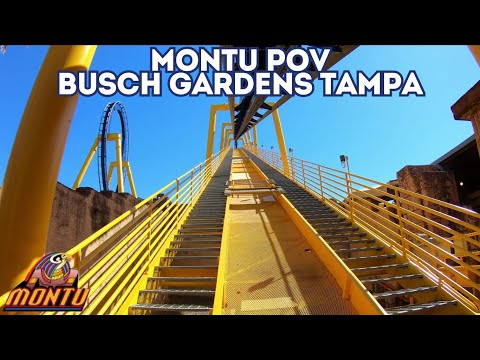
(76, 214)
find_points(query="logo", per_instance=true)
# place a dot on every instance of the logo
(51, 285)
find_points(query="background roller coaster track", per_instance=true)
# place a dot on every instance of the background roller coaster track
(103, 131)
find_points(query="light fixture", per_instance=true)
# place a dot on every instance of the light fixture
(344, 162)
(461, 183)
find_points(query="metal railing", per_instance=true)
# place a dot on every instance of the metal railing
(112, 261)
(439, 238)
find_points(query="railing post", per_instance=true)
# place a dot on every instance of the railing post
(320, 181)
(177, 197)
(149, 236)
(350, 197)
(292, 166)
(191, 186)
(401, 223)
(303, 175)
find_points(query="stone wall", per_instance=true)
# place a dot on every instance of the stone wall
(430, 181)
(77, 214)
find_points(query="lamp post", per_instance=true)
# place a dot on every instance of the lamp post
(348, 180)
(344, 162)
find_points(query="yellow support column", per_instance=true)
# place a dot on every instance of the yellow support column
(211, 127)
(211, 131)
(32, 170)
(86, 164)
(113, 165)
(475, 49)
(118, 149)
(223, 138)
(248, 137)
(281, 142)
(126, 164)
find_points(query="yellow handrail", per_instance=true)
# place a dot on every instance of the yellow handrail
(114, 259)
(420, 228)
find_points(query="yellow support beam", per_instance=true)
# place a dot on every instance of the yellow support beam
(227, 138)
(223, 137)
(248, 137)
(32, 170)
(281, 142)
(117, 137)
(126, 164)
(475, 50)
(212, 126)
(255, 140)
(113, 165)
(86, 164)
(219, 300)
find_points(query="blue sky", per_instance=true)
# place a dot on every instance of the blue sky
(168, 134)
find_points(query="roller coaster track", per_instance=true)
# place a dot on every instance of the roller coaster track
(103, 131)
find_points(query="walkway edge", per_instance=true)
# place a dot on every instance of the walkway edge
(353, 290)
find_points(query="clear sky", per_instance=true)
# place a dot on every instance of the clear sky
(168, 134)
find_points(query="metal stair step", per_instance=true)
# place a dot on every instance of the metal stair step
(351, 242)
(189, 259)
(334, 221)
(186, 267)
(209, 208)
(401, 292)
(198, 309)
(201, 230)
(211, 205)
(203, 222)
(179, 257)
(207, 211)
(193, 249)
(420, 307)
(187, 242)
(190, 292)
(183, 280)
(322, 219)
(198, 236)
(336, 224)
(202, 226)
(319, 216)
(310, 205)
(304, 211)
(191, 231)
(336, 230)
(344, 235)
(368, 248)
(373, 257)
(381, 267)
(393, 278)
(207, 215)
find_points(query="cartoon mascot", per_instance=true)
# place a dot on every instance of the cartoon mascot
(52, 270)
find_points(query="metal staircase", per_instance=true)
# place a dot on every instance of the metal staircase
(184, 282)
(398, 286)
